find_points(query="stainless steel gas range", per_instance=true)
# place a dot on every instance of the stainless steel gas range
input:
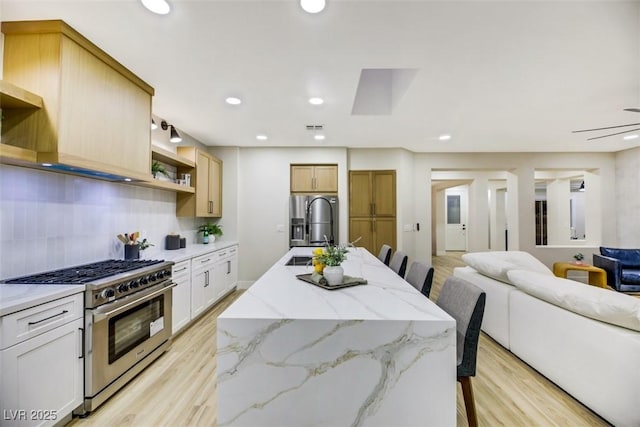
(127, 319)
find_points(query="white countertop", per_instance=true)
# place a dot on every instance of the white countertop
(15, 297)
(278, 294)
(191, 251)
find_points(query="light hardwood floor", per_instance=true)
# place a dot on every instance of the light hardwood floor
(179, 388)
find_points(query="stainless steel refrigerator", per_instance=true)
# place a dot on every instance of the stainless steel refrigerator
(312, 220)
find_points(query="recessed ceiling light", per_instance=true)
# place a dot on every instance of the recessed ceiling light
(316, 101)
(318, 137)
(627, 137)
(161, 7)
(312, 6)
(46, 165)
(233, 101)
(128, 179)
(262, 137)
(444, 137)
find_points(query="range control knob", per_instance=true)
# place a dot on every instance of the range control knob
(107, 293)
(123, 288)
(144, 280)
(159, 275)
(152, 277)
(133, 284)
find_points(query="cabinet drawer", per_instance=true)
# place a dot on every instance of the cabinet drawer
(203, 262)
(226, 253)
(181, 271)
(25, 324)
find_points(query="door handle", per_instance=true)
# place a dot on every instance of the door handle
(81, 343)
(228, 267)
(206, 279)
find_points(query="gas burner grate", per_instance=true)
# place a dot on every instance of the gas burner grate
(83, 274)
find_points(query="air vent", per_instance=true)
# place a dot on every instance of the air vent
(315, 127)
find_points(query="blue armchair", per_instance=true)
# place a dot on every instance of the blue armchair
(622, 267)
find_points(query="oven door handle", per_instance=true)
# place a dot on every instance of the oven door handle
(99, 316)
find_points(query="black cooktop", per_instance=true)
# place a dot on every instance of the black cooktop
(83, 274)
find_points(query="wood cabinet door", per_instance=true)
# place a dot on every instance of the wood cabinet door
(360, 190)
(301, 178)
(384, 193)
(215, 187)
(363, 228)
(202, 185)
(385, 233)
(326, 179)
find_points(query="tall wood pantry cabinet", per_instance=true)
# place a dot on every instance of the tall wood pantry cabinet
(372, 208)
(207, 200)
(314, 179)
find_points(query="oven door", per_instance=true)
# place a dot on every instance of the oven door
(125, 331)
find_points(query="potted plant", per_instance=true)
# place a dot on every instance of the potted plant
(578, 257)
(331, 257)
(157, 167)
(209, 230)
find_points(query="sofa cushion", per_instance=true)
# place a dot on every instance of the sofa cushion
(589, 301)
(631, 276)
(496, 264)
(627, 257)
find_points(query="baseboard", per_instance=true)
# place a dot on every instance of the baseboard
(244, 284)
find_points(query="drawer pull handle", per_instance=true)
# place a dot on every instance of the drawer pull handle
(205, 260)
(47, 318)
(182, 269)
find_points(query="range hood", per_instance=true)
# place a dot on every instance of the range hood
(95, 114)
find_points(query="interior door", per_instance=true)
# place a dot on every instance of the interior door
(456, 219)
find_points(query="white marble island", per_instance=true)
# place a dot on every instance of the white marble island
(294, 354)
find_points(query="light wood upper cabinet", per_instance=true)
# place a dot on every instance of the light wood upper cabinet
(314, 178)
(96, 113)
(207, 200)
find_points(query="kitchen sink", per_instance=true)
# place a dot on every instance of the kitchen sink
(300, 260)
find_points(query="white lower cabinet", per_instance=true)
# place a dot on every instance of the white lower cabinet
(201, 282)
(41, 380)
(226, 271)
(202, 289)
(181, 275)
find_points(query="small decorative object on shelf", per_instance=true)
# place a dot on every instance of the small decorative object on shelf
(209, 232)
(578, 258)
(158, 168)
(330, 258)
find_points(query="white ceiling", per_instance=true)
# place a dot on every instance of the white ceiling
(497, 76)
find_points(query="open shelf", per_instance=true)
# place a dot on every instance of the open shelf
(165, 156)
(165, 185)
(12, 96)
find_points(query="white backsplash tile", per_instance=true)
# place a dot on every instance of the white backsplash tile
(50, 220)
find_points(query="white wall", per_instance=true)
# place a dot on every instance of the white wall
(627, 200)
(263, 202)
(50, 220)
(401, 161)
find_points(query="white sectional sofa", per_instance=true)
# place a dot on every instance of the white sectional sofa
(584, 339)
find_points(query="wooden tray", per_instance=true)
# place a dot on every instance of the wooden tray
(307, 278)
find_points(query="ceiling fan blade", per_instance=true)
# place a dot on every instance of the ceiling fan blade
(633, 110)
(612, 134)
(608, 127)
